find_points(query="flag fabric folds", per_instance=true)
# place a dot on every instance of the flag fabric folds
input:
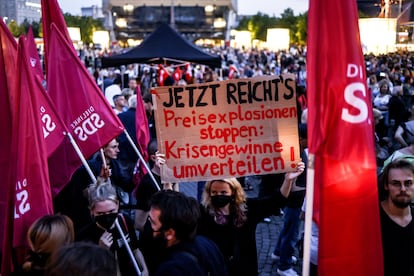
(142, 132)
(82, 107)
(342, 142)
(177, 74)
(53, 127)
(28, 192)
(34, 55)
(8, 56)
(51, 13)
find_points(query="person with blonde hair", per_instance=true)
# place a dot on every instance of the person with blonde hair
(229, 219)
(45, 237)
(104, 209)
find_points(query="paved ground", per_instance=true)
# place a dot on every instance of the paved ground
(266, 233)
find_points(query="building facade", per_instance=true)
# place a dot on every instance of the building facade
(19, 10)
(195, 19)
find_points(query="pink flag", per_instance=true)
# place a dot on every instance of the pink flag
(177, 74)
(341, 139)
(52, 125)
(143, 135)
(8, 56)
(34, 55)
(51, 13)
(82, 107)
(143, 138)
(28, 192)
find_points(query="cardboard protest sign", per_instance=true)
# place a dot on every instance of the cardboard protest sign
(227, 129)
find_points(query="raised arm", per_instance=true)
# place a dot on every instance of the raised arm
(290, 178)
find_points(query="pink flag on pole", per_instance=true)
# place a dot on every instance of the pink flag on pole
(142, 129)
(341, 139)
(8, 56)
(82, 107)
(28, 192)
(51, 13)
(53, 127)
(34, 55)
(143, 138)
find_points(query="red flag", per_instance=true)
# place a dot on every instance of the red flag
(53, 127)
(51, 13)
(29, 195)
(142, 130)
(232, 71)
(143, 138)
(342, 142)
(177, 74)
(34, 55)
(82, 107)
(8, 56)
(162, 75)
(188, 73)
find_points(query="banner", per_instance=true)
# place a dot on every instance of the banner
(227, 129)
(82, 107)
(341, 139)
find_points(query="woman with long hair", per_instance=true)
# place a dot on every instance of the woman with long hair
(45, 237)
(229, 218)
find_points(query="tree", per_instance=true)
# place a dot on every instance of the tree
(259, 23)
(15, 29)
(301, 29)
(86, 24)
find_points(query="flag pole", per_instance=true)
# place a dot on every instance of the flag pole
(103, 158)
(308, 214)
(82, 158)
(131, 255)
(142, 159)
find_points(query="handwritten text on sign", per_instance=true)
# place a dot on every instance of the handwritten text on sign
(227, 129)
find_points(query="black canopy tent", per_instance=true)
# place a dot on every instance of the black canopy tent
(163, 45)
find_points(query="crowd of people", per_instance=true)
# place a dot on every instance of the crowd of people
(154, 229)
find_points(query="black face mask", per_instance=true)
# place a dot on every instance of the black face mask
(159, 242)
(219, 201)
(106, 221)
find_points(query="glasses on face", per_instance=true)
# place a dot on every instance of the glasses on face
(399, 184)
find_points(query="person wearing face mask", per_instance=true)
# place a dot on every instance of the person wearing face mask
(104, 209)
(229, 219)
(173, 218)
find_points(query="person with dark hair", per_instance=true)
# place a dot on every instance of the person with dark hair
(396, 215)
(174, 217)
(45, 236)
(120, 103)
(149, 110)
(82, 259)
(71, 200)
(147, 187)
